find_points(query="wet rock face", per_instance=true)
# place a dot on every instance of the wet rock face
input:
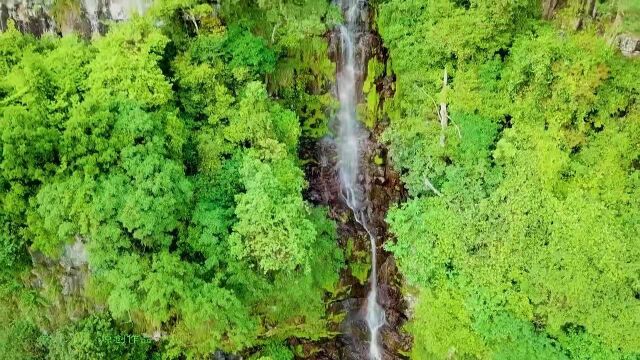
(29, 17)
(62, 281)
(70, 271)
(123, 9)
(629, 44)
(384, 188)
(75, 264)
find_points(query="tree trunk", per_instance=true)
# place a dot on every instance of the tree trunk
(587, 10)
(591, 8)
(443, 114)
(548, 7)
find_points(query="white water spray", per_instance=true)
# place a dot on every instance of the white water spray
(92, 7)
(350, 136)
(119, 10)
(124, 9)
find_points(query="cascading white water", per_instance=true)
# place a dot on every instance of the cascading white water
(350, 136)
(92, 7)
(124, 9)
(119, 10)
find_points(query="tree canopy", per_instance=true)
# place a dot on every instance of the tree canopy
(164, 152)
(153, 199)
(529, 249)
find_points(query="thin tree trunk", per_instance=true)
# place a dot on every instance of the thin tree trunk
(615, 29)
(195, 24)
(443, 114)
(548, 7)
(273, 33)
(591, 8)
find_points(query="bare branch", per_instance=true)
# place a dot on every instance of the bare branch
(457, 127)
(443, 114)
(430, 186)
(273, 33)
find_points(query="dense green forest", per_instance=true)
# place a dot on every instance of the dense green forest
(152, 192)
(166, 153)
(532, 249)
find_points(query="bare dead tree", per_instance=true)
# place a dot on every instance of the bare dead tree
(548, 8)
(430, 186)
(443, 113)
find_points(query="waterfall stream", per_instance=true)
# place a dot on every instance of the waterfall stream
(349, 139)
(92, 7)
(118, 10)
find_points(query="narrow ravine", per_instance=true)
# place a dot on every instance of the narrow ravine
(348, 143)
(358, 191)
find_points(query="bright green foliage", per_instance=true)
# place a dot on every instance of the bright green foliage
(160, 147)
(169, 148)
(127, 65)
(272, 217)
(14, 44)
(531, 250)
(295, 31)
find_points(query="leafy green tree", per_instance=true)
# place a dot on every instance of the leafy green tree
(153, 146)
(126, 64)
(272, 222)
(517, 236)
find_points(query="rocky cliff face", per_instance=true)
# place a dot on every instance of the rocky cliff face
(32, 17)
(61, 282)
(629, 44)
(61, 17)
(87, 17)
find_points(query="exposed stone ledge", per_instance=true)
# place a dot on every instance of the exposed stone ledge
(39, 17)
(629, 44)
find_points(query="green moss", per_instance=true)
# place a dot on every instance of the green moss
(360, 271)
(359, 263)
(375, 69)
(66, 12)
(369, 111)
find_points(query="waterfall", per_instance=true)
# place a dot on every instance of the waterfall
(124, 9)
(92, 7)
(349, 139)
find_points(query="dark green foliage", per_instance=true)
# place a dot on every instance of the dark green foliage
(95, 338)
(21, 339)
(275, 351)
(245, 50)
